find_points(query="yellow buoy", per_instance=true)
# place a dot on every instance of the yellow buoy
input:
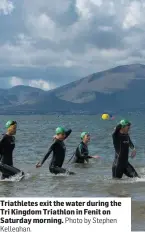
(105, 116)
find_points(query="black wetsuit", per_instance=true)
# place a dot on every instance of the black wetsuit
(122, 143)
(7, 145)
(58, 148)
(82, 153)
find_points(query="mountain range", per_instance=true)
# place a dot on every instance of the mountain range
(119, 88)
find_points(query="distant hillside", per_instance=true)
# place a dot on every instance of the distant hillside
(120, 88)
(109, 82)
(19, 95)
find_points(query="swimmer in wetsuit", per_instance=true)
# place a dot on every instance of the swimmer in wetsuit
(7, 145)
(58, 148)
(82, 152)
(122, 143)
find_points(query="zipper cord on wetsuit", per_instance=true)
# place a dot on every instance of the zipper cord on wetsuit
(68, 163)
(71, 158)
(117, 158)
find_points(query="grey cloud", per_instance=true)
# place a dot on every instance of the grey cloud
(67, 18)
(62, 40)
(59, 76)
(13, 24)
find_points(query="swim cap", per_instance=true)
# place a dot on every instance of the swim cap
(59, 130)
(83, 134)
(10, 123)
(124, 123)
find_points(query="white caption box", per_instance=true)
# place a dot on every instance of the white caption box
(64, 214)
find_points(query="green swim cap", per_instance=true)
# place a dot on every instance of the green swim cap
(83, 134)
(10, 123)
(60, 130)
(124, 123)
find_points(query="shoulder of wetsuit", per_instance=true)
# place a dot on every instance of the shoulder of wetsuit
(2, 141)
(2, 137)
(116, 130)
(81, 145)
(56, 142)
(9, 137)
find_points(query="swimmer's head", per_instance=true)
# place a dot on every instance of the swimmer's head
(85, 136)
(11, 127)
(60, 133)
(125, 125)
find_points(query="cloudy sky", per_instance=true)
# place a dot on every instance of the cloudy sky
(49, 43)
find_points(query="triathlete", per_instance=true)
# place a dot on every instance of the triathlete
(7, 145)
(122, 143)
(59, 149)
(82, 152)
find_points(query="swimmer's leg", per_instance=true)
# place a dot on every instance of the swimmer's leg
(5, 176)
(117, 172)
(130, 171)
(58, 170)
(10, 171)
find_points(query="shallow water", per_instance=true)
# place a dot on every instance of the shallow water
(33, 138)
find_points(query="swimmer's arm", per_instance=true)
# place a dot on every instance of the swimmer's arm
(89, 157)
(84, 155)
(2, 141)
(116, 142)
(67, 133)
(0, 150)
(131, 145)
(48, 153)
(0, 147)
